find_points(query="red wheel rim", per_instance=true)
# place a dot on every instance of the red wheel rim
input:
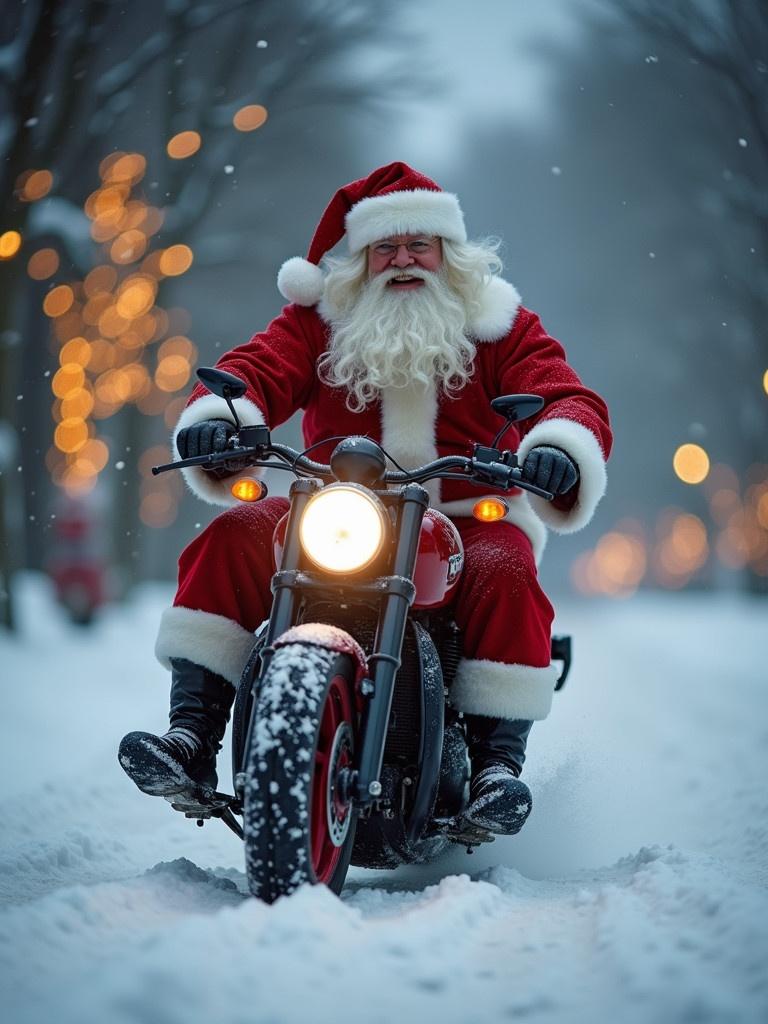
(329, 816)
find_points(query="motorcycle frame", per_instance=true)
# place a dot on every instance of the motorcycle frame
(395, 592)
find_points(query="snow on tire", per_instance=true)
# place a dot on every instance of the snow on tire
(298, 828)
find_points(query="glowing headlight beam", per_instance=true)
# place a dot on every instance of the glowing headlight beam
(343, 528)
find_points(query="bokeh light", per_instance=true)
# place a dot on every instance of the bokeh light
(128, 247)
(249, 118)
(99, 280)
(76, 350)
(36, 185)
(10, 243)
(691, 463)
(71, 434)
(58, 300)
(175, 260)
(43, 264)
(136, 296)
(172, 373)
(70, 377)
(183, 145)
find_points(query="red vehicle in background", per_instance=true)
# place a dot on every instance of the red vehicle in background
(77, 562)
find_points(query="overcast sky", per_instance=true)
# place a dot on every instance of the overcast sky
(487, 55)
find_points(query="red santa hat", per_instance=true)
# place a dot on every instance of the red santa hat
(392, 200)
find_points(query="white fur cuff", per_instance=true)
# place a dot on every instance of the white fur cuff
(582, 446)
(499, 690)
(211, 407)
(213, 641)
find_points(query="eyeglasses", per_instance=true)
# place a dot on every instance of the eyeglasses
(417, 246)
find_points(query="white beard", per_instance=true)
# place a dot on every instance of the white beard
(382, 338)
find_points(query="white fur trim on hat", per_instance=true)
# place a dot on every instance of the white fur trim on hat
(499, 303)
(498, 690)
(583, 447)
(211, 407)
(217, 643)
(300, 281)
(409, 212)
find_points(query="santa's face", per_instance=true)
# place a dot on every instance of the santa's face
(379, 338)
(398, 255)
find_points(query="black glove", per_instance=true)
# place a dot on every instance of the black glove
(205, 438)
(551, 469)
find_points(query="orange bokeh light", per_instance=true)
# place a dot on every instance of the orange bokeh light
(176, 260)
(158, 509)
(172, 373)
(77, 404)
(183, 145)
(136, 297)
(10, 243)
(248, 118)
(99, 280)
(43, 264)
(58, 300)
(128, 247)
(36, 185)
(71, 434)
(76, 350)
(69, 378)
(127, 167)
(691, 463)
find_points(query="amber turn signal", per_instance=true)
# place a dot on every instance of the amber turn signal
(246, 489)
(490, 510)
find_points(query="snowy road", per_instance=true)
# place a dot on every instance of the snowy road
(637, 891)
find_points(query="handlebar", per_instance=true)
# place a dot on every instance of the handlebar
(479, 469)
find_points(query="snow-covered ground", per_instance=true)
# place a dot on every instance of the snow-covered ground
(637, 891)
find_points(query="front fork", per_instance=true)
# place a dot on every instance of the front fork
(388, 645)
(396, 592)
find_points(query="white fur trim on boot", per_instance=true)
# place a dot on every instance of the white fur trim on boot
(211, 407)
(212, 641)
(498, 690)
(583, 447)
(300, 281)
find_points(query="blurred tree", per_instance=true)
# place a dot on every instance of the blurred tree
(728, 41)
(77, 80)
(615, 208)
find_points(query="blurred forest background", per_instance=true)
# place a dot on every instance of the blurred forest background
(161, 159)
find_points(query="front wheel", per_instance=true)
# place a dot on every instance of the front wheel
(298, 820)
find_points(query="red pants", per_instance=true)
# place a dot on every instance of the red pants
(224, 594)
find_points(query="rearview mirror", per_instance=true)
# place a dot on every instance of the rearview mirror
(517, 407)
(514, 408)
(225, 385)
(221, 383)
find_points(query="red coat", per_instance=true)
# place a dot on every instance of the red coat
(514, 355)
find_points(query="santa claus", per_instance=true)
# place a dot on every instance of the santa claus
(406, 339)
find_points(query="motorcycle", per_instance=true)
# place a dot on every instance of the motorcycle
(345, 749)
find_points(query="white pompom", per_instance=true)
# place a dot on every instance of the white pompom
(301, 281)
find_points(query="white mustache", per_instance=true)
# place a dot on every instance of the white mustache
(394, 275)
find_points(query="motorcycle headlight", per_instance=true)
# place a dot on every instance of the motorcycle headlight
(343, 528)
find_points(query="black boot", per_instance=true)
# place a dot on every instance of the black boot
(184, 759)
(498, 800)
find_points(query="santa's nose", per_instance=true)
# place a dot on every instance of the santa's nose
(402, 257)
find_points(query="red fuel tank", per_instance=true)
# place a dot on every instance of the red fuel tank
(439, 561)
